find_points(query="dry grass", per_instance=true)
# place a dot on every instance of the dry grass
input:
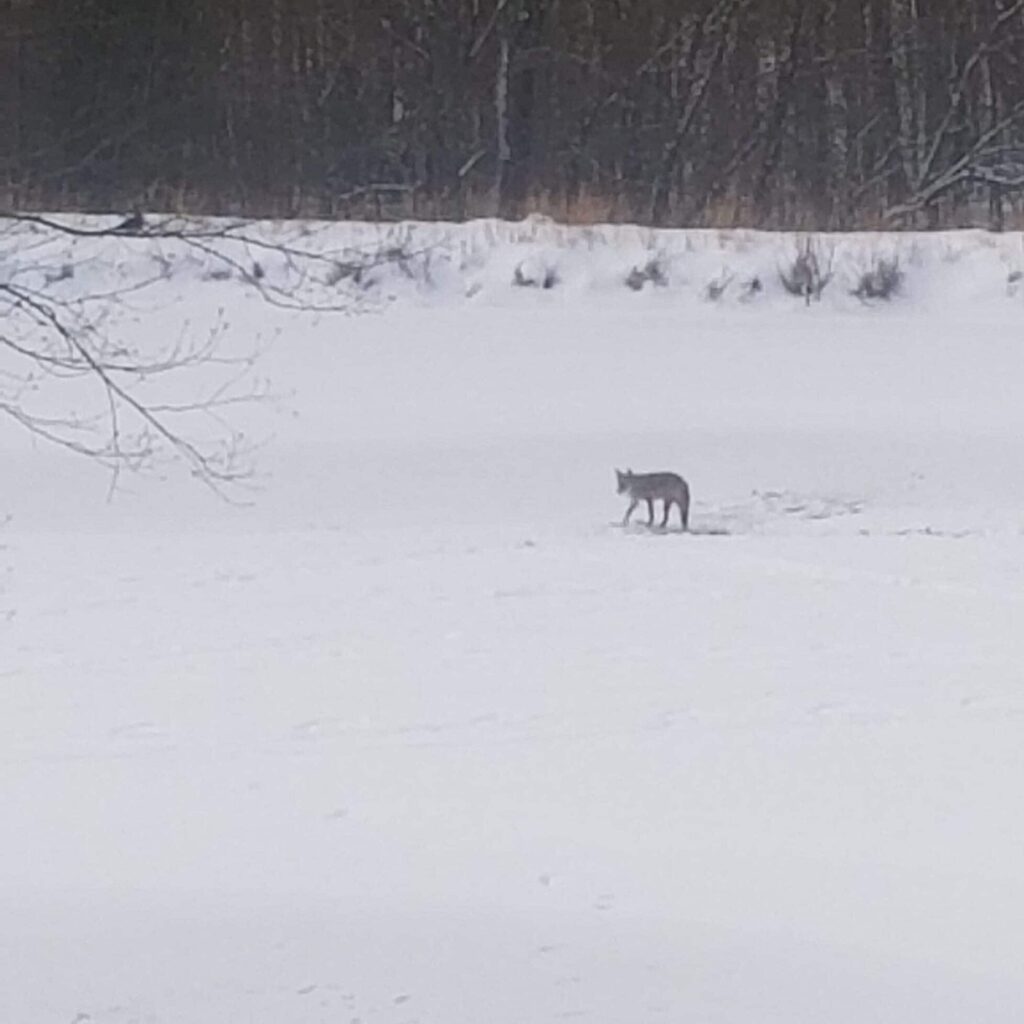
(588, 207)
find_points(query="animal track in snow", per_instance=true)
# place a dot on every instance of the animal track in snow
(138, 732)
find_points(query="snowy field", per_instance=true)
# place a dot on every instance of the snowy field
(419, 737)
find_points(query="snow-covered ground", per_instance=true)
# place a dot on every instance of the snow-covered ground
(420, 736)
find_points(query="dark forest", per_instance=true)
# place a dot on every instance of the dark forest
(824, 114)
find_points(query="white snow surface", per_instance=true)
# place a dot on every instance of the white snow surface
(418, 736)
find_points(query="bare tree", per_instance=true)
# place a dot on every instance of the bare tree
(782, 113)
(75, 372)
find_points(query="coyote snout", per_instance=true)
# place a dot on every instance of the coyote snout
(668, 488)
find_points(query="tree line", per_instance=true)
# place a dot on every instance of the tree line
(793, 113)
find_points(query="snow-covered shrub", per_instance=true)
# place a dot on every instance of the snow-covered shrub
(881, 281)
(805, 277)
(532, 273)
(750, 289)
(367, 269)
(654, 271)
(344, 270)
(715, 289)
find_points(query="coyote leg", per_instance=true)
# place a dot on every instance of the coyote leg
(665, 512)
(650, 511)
(629, 511)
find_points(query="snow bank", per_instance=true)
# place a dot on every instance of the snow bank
(486, 259)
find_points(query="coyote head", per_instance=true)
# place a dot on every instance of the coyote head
(623, 481)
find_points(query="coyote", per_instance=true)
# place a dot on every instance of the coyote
(668, 488)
